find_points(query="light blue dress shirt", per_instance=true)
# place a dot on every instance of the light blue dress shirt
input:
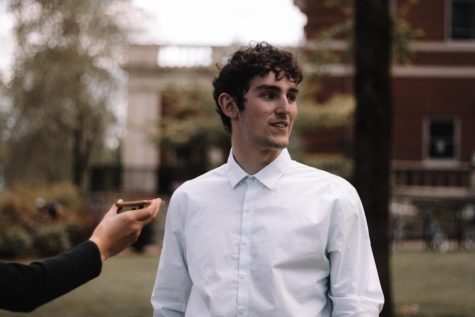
(289, 241)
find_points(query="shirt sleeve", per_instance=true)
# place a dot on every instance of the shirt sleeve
(25, 287)
(355, 289)
(173, 284)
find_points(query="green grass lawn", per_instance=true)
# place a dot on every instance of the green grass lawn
(442, 285)
(122, 290)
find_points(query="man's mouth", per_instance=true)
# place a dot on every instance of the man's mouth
(280, 124)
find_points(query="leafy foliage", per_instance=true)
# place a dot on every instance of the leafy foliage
(44, 220)
(65, 77)
(14, 241)
(189, 129)
(403, 33)
(192, 118)
(51, 240)
(336, 112)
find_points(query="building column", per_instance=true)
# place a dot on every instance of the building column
(140, 153)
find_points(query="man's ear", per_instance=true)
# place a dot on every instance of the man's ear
(228, 105)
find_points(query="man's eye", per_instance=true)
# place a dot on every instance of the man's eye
(269, 95)
(291, 97)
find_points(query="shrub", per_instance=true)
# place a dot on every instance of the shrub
(17, 206)
(79, 231)
(53, 215)
(14, 241)
(64, 194)
(51, 240)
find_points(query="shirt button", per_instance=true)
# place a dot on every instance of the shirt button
(251, 179)
(243, 275)
(244, 242)
(242, 311)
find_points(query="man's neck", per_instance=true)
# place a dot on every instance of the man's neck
(253, 161)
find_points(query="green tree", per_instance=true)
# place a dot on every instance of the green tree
(65, 76)
(189, 129)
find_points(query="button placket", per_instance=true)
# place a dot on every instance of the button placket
(244, 250)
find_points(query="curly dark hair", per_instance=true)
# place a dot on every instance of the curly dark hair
(248, 62)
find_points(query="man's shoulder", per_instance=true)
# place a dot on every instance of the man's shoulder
(321, 182)
(200, 189)
(315, 175)
(212, 177)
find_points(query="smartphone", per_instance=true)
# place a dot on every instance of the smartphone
(132, 205)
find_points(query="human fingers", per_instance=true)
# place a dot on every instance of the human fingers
(146, 214)
(113, 210)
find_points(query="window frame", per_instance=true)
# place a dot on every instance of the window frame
(449, 23)
(428, 160)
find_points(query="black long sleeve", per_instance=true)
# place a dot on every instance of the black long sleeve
(25, 287)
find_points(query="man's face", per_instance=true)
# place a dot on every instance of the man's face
(270, 108)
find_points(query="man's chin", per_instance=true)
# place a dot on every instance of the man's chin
(274, 143)
(280, 145)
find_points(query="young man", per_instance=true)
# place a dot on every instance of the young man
(25, 287)
(263, 235)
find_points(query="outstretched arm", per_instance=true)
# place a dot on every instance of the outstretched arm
(25, 287)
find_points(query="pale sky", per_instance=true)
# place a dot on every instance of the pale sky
(222, 22)
(214, 22)
(6, 45)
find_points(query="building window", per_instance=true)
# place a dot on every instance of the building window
(463, 20)
(442, 139)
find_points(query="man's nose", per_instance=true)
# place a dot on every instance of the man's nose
(283, 105)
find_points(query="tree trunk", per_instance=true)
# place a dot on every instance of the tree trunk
(78, 160)
(373, 123)
(81, 148)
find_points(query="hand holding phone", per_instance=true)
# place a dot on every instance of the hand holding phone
(132, 205)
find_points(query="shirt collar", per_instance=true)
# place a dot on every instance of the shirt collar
(268, 176)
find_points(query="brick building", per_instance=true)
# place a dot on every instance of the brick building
(434, 95)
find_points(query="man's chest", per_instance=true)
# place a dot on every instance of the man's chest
(258, 227)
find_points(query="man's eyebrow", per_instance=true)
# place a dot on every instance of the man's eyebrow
(268, 87)
(276, 88)
(294, 90)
